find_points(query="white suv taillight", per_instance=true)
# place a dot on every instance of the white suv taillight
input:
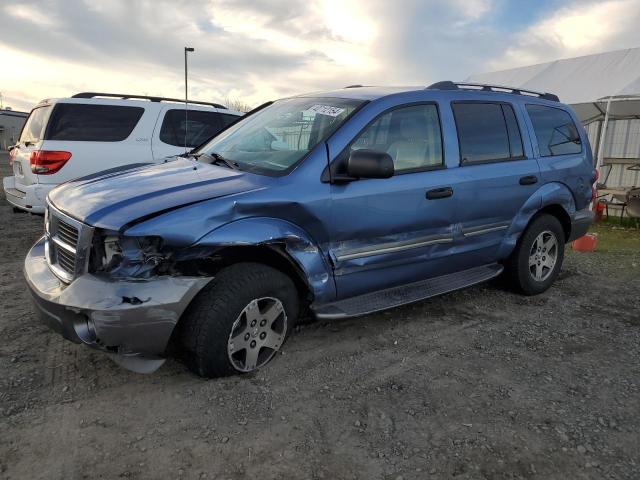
(47, 162)
(12, 153)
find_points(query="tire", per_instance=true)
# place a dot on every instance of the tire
(536, 277)
(252, 303)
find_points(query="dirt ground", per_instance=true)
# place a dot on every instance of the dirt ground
(477, 384)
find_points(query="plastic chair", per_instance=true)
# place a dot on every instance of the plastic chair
(633, 204)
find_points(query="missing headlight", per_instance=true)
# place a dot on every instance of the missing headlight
(121, 256)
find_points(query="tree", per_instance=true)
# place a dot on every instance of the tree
(237, 104)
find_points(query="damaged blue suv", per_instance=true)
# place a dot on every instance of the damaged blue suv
(330, 204)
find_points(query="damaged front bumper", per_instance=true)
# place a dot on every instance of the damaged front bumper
(131, 320)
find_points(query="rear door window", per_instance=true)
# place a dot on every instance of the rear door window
(555, 131)
(195, 127)
(34, 126)
(487, 132)
(227, 119)
(92, 123)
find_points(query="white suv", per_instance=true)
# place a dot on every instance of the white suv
(73, 137)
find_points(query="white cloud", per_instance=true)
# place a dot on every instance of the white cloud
(30, 14)
(256, 51)
(580, 28)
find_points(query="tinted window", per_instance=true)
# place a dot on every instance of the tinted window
(200, 126)
(487, 131)
(411, 135)
(34, 126)
(555, 131)
(92, 123)
(227, 119)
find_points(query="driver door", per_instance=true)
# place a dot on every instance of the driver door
(397, 230)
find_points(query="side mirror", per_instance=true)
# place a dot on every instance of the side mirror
(369, 164)
(11, 148)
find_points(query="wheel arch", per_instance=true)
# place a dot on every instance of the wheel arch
(553, 198)
(270, 241)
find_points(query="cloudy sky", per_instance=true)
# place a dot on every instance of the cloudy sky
(260, 50)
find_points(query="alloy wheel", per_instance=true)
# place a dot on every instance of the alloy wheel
(543, 256)
(257, 334)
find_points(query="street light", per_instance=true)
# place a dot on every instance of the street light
(186, 96)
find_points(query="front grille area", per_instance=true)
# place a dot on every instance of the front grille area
(67, 244)
(66, 260)
(67, 233)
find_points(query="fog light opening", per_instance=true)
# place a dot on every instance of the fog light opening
(85, 329)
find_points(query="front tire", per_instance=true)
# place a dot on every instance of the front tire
(537, 259)
(239, 321)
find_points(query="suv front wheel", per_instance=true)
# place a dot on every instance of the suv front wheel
(536, 261)
(239, 321)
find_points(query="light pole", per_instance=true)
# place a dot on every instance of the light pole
(186, 96)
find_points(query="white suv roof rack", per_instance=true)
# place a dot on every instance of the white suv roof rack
(124, 96)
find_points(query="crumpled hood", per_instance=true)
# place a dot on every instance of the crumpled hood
(118, 197)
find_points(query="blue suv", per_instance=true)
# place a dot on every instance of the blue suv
(330, 204)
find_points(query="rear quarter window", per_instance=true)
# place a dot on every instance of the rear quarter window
(555, 131)
(34, 126)
(92, 123)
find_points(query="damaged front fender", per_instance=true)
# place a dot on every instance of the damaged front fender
(306, 255)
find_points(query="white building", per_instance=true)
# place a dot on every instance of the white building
(604, 90)
(11, 123)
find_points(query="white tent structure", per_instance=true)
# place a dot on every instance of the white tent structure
(604, 90)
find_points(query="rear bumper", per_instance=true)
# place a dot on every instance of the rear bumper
(131, 320)
(580, 223)
(31, 199)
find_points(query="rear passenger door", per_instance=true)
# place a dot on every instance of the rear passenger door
(497, 175)
(180, 130)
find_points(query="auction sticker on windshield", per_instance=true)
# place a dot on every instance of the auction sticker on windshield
(327, 110)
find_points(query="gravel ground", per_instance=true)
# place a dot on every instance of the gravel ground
(477, 384)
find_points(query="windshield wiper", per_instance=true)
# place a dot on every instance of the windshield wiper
(217, 159)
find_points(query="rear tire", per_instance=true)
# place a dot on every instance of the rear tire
(537, 259)
(239, 321)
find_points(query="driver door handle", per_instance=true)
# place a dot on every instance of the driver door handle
(528, 180)
(436, 193)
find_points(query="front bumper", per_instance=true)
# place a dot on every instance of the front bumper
(32, 199)
(132, 320)
(580, 223)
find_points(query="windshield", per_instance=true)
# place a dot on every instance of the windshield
(33, 128)
(276, 138)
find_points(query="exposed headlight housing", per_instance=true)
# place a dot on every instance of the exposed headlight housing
(121, 256)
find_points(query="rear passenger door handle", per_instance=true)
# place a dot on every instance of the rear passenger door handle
(436, 193)
(528, 180)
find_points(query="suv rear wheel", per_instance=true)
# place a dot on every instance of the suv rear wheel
(239, 321)
(536, 261)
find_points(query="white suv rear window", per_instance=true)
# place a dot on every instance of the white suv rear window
(92, 123)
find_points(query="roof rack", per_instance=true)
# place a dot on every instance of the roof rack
(449, 85)
(354, 86)
(142, 97)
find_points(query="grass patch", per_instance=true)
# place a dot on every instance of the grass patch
(614, 238)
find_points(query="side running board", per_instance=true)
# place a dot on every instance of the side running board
(413, 292)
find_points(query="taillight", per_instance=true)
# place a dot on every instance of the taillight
(12, 153)
(594, 194)
(46, 162)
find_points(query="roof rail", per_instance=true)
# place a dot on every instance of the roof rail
(124, 96)
(449, 85)
(354, 86)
